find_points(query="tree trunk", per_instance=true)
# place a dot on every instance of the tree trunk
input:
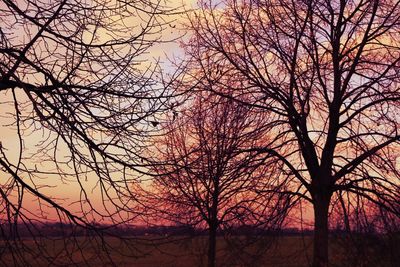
(212, 245)
(321, 207)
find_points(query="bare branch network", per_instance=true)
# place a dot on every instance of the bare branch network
(275, 105)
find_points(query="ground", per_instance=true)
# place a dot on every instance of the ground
(182, 251)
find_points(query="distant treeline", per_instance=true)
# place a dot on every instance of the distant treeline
(62, 229)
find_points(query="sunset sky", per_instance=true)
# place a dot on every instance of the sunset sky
(67, 192)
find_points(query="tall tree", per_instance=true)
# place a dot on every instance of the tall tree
(76, 87)
(329, 72)
(205, 180)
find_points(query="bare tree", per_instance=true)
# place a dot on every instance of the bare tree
(79, 94)
(204, 180)
(328, 71)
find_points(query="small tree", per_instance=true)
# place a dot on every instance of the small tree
(204, 178)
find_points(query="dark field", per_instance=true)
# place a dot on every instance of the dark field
(290, 251)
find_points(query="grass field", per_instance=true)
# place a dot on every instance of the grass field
(288, 251)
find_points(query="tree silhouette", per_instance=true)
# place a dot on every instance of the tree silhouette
(328, 72)
(205, 180)
(80, 96)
